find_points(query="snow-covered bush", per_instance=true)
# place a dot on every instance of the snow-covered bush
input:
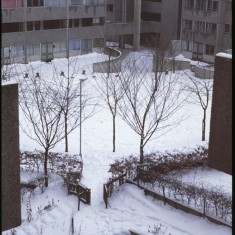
(59, 163)
(162, 172)
(174, 161)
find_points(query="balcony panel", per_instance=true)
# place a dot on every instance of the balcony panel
(119, 28)
(154, 7)
(51, 13)
(199, 15)
(150, 27)
(53, 35)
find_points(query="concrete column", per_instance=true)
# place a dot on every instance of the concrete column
(137, 20)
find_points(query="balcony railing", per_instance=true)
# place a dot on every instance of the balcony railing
(20, 3)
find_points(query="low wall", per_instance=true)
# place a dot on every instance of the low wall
(203, 73)
(110, 66)
(170, 65)
(178, 205)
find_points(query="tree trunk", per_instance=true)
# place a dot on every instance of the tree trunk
(204, 126)
(141, 150)
(45, 166)
(114, 133)
(66, 133)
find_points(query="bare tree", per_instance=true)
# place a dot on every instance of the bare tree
(201, 90)
(150, 98)
(67, 89)
(43, 117)
(110, 91)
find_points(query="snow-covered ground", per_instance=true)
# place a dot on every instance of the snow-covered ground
(128, 207)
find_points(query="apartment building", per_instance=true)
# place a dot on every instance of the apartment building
(46, 29)
(149, 22)
(206, 28)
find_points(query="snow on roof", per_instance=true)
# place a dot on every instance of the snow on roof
(225, 55)
(181, 57)
(5, 83)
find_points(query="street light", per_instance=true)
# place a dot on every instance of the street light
(81, 80)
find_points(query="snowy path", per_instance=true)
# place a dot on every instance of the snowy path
(129, 209)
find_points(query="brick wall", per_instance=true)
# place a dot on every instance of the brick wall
(220, 142)
(11, 203)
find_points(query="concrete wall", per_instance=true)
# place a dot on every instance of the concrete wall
(112, 66)
(11, 202)
(220, 142)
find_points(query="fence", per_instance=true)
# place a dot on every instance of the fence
(80, 190)
(109, 186)
(180, 206)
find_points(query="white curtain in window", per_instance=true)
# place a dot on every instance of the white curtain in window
(17, 50)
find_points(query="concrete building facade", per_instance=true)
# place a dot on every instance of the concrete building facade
(46, 29)
(206, 28)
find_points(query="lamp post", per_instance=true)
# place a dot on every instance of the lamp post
(81, 81)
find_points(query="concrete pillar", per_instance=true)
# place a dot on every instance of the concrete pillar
(137, 20)
(220, 142)
(10, 159)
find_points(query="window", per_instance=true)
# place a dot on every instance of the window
(17, 51)
(227, 28)
(199, 26)
(74, 44)
(228, 6)
(30, 26)
(63, 24)
(188, 25)
(215, 6)
(76, 23)
(33, 49)
(212, 5)
(197, 51)
(186, 46)
(34, 3)
(90, 2)
(6, 55)
(86, 46)
(12, 3)
(96, 21)
(148, 16)
(46, 51)
(76, 2)
(98, 42)
(189, 3)
(210, 27)
(55, 2)
(210, 50)
(87, 22)
(110, 7)
(153, 0)
(201, 4)
(12, 27)
(37, 25)
(51, 24)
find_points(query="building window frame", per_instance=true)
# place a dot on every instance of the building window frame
(227, 28)
(209, 49)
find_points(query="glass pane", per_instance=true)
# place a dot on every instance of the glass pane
(77, 44)
(50, 48)
(44, 48)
